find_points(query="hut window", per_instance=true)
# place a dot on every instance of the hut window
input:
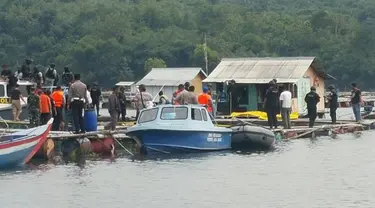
(196, 114)
(174, 113)
(204, 114)
(148, 115)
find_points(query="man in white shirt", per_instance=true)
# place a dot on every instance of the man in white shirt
(286, 106)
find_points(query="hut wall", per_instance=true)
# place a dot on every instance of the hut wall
(197, 82)
(318, 82)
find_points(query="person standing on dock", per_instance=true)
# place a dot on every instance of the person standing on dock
(33, 103)
(95, 96)
(142, 99)
(333, 103)
(16, 97)
(26, 69)
(163, 99)
(5, 73)
(45, 107)
(312, 99)
(122, 99)
(180, 89)
(186, 86)
(271, 104)
(50, 75)
(356, 100)
(286, 106)
(206, 100)
(187, 97)
(77, 95)
(67, 76)
(59, 99)
(113, 109)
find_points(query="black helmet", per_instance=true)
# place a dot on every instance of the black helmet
(331, 87)
(29, 61)
(52, 65)
(313, 88)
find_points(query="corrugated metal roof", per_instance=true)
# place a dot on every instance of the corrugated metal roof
(261, 70)
(124, 83)
(170, 76)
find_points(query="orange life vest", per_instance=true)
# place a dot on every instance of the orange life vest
(58, 98)
(203, 99)
(45, 104)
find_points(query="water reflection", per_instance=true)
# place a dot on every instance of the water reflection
(323, 172)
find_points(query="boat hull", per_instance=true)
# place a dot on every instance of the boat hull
(252, 137)
(18, 148)
(169, 141)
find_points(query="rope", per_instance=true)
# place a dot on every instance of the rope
(128, 151)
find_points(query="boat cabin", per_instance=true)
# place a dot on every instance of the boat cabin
(184, 114)
(24, 87)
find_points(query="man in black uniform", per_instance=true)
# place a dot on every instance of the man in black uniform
(26, 69)
(312, 99)
(332, 99)
(95, 96)
(271, 104)
(122, 99)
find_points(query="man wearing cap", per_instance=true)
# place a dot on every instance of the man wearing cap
(312, 99)
(33, 103)
(333, 102)
(205, 99)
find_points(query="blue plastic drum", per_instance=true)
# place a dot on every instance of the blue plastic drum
(90, 120)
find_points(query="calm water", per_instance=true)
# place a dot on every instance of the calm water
(302, 173)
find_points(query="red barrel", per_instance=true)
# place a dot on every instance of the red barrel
(105, 146)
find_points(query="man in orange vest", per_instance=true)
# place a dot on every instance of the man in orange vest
(59, 99)
(205, 99)
(45, 107)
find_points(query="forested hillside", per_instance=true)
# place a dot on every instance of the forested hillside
(115, 39)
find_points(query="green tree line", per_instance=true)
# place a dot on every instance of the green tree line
(114, 40)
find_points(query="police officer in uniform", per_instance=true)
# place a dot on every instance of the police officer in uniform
(312, 99)
(77, 95)
(333, 103)
(34, 107)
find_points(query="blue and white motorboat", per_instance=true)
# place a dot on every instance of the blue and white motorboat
(183, 128)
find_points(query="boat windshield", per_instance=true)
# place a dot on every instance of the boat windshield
(204, 114)
(174, 113)
(148, 115)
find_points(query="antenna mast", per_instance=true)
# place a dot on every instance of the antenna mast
(205, 52)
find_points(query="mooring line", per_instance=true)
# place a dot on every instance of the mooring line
(130, 153)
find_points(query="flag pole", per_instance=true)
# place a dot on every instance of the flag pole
(205, 52)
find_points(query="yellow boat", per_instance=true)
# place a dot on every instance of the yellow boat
(261, 115)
